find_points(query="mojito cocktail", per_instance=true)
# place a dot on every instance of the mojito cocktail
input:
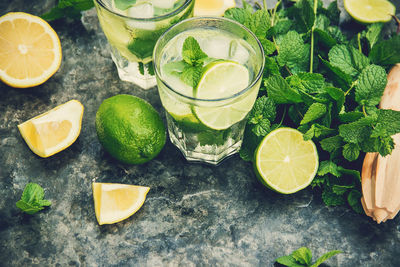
(208, 75)
(132, 28)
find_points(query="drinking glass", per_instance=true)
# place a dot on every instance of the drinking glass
(133, 29)
(208, 129)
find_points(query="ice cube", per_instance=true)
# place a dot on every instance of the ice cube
(215, 46)
(164, 4)
(142, 10)
(238, 53)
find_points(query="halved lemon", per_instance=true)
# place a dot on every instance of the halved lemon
(54, 130)
(285, 162)
(30, 50)
(116, 202)
(370, 11)
(212, 8)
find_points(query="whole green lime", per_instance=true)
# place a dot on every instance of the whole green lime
(130, 129)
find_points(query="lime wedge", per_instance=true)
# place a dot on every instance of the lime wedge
(370, 11)
(223, 79)
(285, 162)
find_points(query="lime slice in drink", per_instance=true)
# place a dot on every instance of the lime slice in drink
(370, 11)
(223, 79)
(285, 162)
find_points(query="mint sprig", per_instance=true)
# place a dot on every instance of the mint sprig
(302, 257)
(68, 8)
(32, 199)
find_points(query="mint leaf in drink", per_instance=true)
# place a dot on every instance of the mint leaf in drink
(280, 91)
(192, 53)
(191, 75)
(325, 257)
(142, 48)
(386, 52)
(68, 8)
(298, 61)
(32, 199)
(371, 83)
(124, 4)
(315, 111)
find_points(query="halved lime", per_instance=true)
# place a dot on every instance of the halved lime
(285, 162)
(370, 11)
(223, 79)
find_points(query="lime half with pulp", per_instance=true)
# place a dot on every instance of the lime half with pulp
(285, 162)
(222, 79)
(370, 11)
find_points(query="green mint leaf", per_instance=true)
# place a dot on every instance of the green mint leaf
(317, 131)
(341, 189)
(385, 145)
(271, 67)
(328, 167)
(337, 34)
(374, 33)
(150, 68)
(259, 23)
(68, 8)
(325, 38)
(288, 261)
(174, 67)
(350, 173)
(386, 52)
(340, 78)
(264, 108)
(281, 27)
(371, 84)
(240, 15)
(348, 59)
(315, 111)
(304, 15)
(333, 13)
(303, 256)
(322, 22)
(332, 199)
(351, 116)
(296, 62)
(358, 131)
(318, 181)
(269, 47)
(249, 145)
(262, 128)
(191, 75)
(311, 83)
(337, 95)
(351, 151)
(280, 91)
(331, 144)
(124, 4)
(354, 201)
(32, 199)
(141, 68)
(389, 120)
(142, 48)
(325, 257)
(192, 53)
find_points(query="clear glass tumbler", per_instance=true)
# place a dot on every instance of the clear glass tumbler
(132, 29)
(206, 121)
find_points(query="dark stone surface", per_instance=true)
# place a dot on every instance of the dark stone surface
(194, 214)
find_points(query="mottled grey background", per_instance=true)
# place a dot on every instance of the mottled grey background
(195, 215)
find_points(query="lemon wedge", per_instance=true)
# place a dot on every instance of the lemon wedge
(54, 130)
(30, 50)
(116, 202)
(212, 8)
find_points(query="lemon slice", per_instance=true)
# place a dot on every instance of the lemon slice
(211, 86)
(54, 130)
(285, 162)
(370, 11)
(30, 50)
(212, 8)
(116, 202)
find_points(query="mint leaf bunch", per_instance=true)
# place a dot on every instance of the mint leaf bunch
(327, 84)
(32, 199)
(303, 257)
(190, 68)
(68, 8)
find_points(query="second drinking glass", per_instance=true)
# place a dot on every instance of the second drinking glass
(132, 29)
